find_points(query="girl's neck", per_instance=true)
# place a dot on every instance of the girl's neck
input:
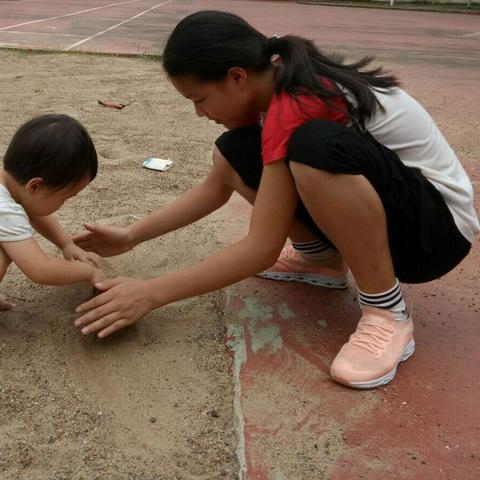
(264, 88)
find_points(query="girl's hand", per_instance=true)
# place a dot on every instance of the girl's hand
(106, 240)
(124, 301)
(71, 251)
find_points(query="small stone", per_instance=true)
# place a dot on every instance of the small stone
(153, 419)
(213, 414)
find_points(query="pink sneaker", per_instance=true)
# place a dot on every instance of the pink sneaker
(292, 267)
(373, 352)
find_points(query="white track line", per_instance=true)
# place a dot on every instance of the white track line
(43, 33)
(471, 34)
(115, 26)
(69, 14)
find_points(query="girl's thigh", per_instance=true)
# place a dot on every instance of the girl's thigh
(424, 240)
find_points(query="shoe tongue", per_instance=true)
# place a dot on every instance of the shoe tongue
(374, 321)
(376, 316)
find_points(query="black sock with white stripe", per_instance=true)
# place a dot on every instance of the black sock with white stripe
(391, 300)
(316, 250)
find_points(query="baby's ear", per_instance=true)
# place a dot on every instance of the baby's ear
(34, 184)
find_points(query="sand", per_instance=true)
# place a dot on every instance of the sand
(155, 401)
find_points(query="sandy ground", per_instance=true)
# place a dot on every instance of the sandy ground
(154, 402)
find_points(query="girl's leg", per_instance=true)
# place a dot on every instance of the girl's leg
(5, 304)
(299, 232)
(309, 259)
(387, 220)
(350, 210)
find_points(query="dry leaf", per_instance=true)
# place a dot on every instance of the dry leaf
(116, 106)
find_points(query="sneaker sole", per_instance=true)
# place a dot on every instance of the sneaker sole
(311, 279)
(387, 378)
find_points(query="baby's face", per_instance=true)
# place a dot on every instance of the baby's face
(45, 201)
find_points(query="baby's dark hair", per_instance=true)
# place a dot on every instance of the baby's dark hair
(208, 43)
(54, 147)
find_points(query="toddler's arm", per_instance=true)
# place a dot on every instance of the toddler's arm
(38, 267)
(49, 228)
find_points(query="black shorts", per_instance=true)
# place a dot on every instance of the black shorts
(424, 241)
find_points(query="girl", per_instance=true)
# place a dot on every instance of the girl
(49, 160)
(334, 156)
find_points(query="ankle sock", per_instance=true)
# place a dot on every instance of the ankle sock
(316, 250)
(391, 300)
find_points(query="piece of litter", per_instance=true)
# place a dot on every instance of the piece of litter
(160, 164)
(115, 105)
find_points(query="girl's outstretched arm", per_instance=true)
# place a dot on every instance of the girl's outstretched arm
(193, 205)
(126, 301)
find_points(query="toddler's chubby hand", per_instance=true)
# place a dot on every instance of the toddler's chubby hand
(97, 276)
(73, 252)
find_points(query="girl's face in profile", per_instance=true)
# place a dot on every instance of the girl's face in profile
(227, 102)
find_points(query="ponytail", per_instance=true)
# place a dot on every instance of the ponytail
(207, 44)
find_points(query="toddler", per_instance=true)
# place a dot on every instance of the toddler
(50, 159)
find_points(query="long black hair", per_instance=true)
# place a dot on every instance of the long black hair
(208, 43)
(54, 147)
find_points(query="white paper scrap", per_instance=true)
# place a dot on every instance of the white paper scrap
(160, 164)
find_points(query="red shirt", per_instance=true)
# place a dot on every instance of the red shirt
(285, 114)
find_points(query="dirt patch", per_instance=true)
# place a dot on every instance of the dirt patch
(155, 401)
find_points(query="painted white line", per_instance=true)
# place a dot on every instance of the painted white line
(15, 32)
(115, 26)
(69, 14)
(236, 334)
(471, 34)
(8, 44)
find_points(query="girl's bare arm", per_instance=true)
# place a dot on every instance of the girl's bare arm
(196, 203)
(125, 301)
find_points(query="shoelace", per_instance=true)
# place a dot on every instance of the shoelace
(371, 338)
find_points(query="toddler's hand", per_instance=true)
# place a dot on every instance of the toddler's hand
(73, 252)
(97, 276)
